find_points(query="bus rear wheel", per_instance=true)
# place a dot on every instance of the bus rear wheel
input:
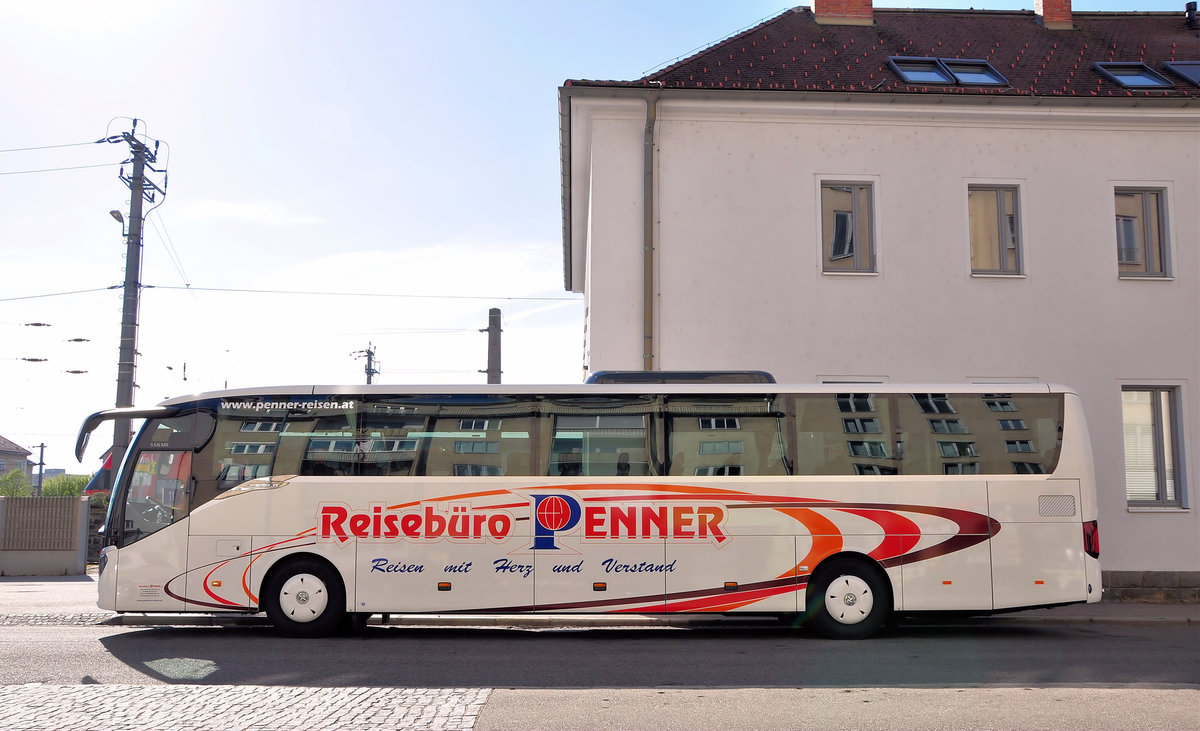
(848, 599)
(305, 598)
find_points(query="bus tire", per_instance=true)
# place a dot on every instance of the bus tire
(305, 598)
(848, 599)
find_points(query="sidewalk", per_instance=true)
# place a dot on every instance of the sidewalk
(72, 600)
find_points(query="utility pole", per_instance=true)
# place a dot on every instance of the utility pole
(140, 189)
(493, 356)
(41, 465)
(370, 369)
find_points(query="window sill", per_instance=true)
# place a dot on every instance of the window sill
(1156, 509)
(850, 273)
(997, 275)
(1146, 277)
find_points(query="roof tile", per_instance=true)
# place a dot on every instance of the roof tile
(793, 52)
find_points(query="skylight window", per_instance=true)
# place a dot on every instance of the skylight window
(946, 71)
(978, 73)
(1133, 75)
(1187, 70)
(921, 70)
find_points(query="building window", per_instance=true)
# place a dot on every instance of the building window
(946, 71)
(846, 231)
(934, 403)
(920, 70)
(1019, 445)
(960, 468)
(999, 402)
(957, 449)
(1012, 425)
(719, 422)
(722, 447)
(1141, 232)
(1028, 468)
(728, 470)
(974, 72)
(995, 230)
(1152, 456)
(947, 426)
(874, 469)
(477, 470)
(861, 426)
(1186, 70)
(868, 449)
(1132, 75)
(465, 447)
(849, 403)
(478, 424)
(252, 448)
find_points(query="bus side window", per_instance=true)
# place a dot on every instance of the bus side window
(600, 437)
(726, 437)
(845, 434)
(245, 447)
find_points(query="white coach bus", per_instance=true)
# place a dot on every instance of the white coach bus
(835, 504)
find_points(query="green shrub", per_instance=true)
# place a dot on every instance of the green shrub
(15, 484)
(64, 485)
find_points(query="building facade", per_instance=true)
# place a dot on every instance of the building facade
(13, 457)
(850, 194)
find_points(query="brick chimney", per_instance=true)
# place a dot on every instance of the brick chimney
(1054, 14)
(850, 12)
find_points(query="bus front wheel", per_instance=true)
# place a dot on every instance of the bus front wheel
(848, 599)
(305, 598)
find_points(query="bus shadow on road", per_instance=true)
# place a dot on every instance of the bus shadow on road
(910, 654)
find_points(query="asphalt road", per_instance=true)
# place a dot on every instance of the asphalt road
(923, 676)
(920, 656)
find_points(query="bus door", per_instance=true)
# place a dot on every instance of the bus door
(148, 523)
(594, 546)
(721, 558)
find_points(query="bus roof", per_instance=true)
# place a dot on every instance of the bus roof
(616, 389)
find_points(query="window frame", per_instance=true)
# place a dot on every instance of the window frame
(1111, 71)
(949, 425)
(861, 255)
(848, 403)
(934, 403)
(1166, 446)
(861, 425)
(1180, 70)
(1151, 214)
(1005, 219)
(868, 448)
(944, 69)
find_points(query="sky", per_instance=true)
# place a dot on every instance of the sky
(338, 176)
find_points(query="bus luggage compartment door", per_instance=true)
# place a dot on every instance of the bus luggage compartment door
(216, 578)
(1037, 556)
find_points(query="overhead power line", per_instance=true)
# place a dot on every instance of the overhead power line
(368, 294)
(48, 147)
(233, 290)
(57, 294)
(55, 170)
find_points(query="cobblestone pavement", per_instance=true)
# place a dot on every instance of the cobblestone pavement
(16, 620)
(245, 708)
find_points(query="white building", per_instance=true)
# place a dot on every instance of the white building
(919, 196)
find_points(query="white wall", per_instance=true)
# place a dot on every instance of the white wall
(738, 259)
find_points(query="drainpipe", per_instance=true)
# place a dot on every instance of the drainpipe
(648, 228)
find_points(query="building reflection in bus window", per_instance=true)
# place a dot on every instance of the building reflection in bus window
(725, 437)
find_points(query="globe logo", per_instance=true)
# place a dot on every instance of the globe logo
(553, 512)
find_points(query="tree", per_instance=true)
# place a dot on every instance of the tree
(64, 486)
(15, 484)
